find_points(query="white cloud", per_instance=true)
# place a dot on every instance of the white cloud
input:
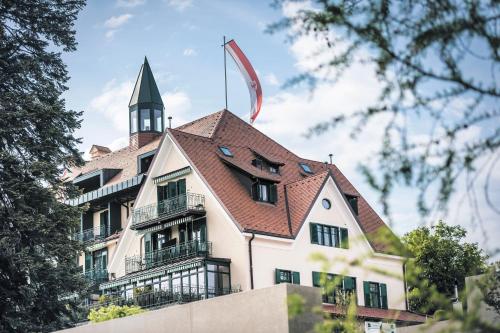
(117, 21)
(110, 33)
(177, 105)
(272, 80)
(113, 103)
(180, 5)
(189, 52)
(130, 3)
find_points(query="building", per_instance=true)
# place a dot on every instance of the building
(215, 206)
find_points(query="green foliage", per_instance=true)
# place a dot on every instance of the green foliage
(37, 259)
(441, 259)
(113, 311)
(295, 304)
(436, 62)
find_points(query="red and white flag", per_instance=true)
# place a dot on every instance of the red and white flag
(250, 76)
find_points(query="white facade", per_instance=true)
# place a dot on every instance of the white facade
(269, 253)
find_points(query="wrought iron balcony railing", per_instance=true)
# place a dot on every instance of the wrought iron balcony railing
(169, 208)
(92, 234)
(96, 275)
(168, 255)
(158, 298)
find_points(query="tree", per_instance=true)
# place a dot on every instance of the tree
(38, 271)
(113, 311)
(437, 62)
(441, 259)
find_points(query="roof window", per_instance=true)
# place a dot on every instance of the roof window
(226, 151)
(306, 168)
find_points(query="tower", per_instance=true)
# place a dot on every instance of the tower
(145, 109)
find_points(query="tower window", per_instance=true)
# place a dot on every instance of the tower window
(305, 167)
(226, 151)
(145, 120)
(158, 120)
(133, 121)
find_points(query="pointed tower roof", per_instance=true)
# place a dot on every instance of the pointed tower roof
(145, 89)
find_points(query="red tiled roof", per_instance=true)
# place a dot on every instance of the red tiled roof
(124, 159)
(200, 141)
(389, 314)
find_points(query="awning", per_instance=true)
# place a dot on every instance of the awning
(158, 227)
(172, 175)
(152, 273)
(388, 314)
(107, 190)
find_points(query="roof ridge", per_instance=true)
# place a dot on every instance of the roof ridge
(175, 130)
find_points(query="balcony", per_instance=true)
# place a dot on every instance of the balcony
(96, 276)
(167, 210)
(92, 235)
(168, 255)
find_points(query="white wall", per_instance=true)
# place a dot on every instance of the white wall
(227, 240)
(271, 253)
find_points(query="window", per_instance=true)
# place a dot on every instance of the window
(133, 121)
(285, 276)
(144, 161)
(326, 204)
(145, 120)
(353, 201)
(273, 168)
(329, 235)
(336, 288)
(306, 168)
(265, 192)
(158, 120)
(375, 294)
(103, 224)
(226, 151)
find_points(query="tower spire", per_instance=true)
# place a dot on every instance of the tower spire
(145, 109)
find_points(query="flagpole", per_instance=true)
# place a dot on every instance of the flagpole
(225, 73)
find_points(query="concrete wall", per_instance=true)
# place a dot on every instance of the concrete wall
(263, 310)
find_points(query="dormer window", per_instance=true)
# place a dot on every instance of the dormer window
(306, 168)
(273, 169)
(353, 201)
(226, 151)
(265, 192)
(144, 161)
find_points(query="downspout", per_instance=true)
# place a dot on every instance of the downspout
(405, 286)
(250, 259)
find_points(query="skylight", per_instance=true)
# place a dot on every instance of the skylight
(305, 167)
(226, 151)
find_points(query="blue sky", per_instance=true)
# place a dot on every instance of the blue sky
(182, 40)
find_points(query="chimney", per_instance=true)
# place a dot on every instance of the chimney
(98, 151)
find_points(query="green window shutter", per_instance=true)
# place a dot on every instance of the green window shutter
(316, 279)
(344, 238)
(159, 193)
(203, 232)
(314, 233)
(295, 277)
(172, 189)
(277, 276)
(181, 186)
(88, 261)
(273, 193)
(104, 222)
(147, 243)
(349, 283)
(366, 290)
(255, 191)
(383, 295)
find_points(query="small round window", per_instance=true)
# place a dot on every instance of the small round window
(327, 204)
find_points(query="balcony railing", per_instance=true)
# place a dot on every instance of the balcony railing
(168, 255)
(159, 298)
(169, 208)
(92, 234)
(96, 276)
